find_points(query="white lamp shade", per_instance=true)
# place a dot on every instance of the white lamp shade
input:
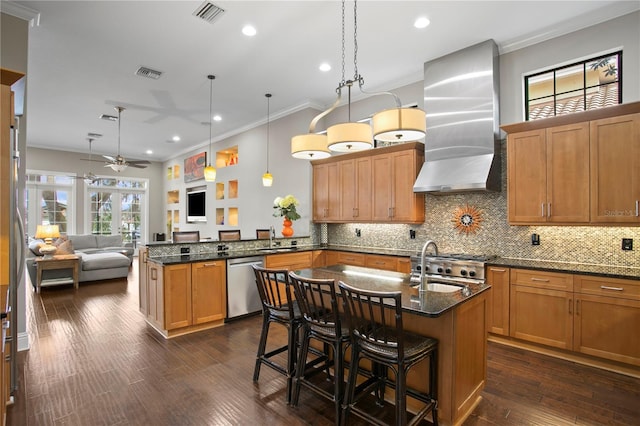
(348, 137)
(117, 167)
(267, 179)
(309, 147)
(399, 125)
(210, 173)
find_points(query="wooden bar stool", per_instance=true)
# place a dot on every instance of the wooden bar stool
(278, 306)
(321, 321)
(375, 321)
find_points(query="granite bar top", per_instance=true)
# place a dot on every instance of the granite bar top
(570, 268)
(428, 303)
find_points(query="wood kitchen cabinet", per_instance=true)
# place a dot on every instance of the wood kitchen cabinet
(355, 189)
(541, 307)
(607, 318)
(576, 168)
(389, 263)
(615, 169)
(369, 186)
(548, 175)
(335, 257)
(143, 253)
(291, 261)
(184, 297)
(498, 319)
(393, 177)
(326, 197)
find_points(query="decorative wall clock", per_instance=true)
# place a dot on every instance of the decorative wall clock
(467, 219)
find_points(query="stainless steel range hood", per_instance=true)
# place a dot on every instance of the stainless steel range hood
(462, 151)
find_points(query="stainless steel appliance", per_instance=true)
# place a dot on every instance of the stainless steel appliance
(452, 268)
(242, 293)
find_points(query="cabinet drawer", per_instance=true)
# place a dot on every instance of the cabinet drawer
(345, 258)
(389, 263)
(603, 286)
(291, 261)
(542, 279)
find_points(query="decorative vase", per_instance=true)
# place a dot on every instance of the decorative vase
(287, 230)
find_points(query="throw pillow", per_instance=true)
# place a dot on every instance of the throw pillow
(35, 245)
(65, 248)
(60, 240)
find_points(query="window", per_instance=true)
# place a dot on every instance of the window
(581, 86)
(50, 201)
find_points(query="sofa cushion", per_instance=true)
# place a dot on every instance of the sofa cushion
(109, 241)
(65, 248)
(83, 241)
(34, 246)
(103, 261)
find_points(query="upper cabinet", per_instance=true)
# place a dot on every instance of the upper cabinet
(575, 169)
(369, 186)
(615, 169)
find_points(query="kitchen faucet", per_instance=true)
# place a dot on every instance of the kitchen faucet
(272, 234)
(423, 286)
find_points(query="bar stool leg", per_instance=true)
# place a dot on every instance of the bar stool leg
(302, 358)
(261, 347)
(292, 353)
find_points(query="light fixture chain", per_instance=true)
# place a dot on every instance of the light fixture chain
(356, 77)
(119, 112)
(268, 95)
(210, 113)
(343, 49)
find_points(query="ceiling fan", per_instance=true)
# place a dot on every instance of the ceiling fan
(119, 163)
(89, 178)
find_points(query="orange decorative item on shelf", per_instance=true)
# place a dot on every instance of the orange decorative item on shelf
(287, 229)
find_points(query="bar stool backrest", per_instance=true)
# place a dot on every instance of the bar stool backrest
(275, 290)
(321, 315)
(375, 320)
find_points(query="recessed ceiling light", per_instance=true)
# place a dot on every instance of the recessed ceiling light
(149, 152)
(422, 22)
(324, 67)
(176, 138)
(249, 30)
(217, 118)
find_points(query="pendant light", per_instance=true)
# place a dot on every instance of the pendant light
(267, 178)
(210, 171)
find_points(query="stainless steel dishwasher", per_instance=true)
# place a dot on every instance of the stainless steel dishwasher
(242, 292)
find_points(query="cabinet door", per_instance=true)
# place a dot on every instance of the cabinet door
(498, 319)
(404, 265)
(326, 196)
(177, 296)
(615, 169)
(527, 176)
(388, 263)
(143, 283)
(407, 206)
(568, 173)
(541, 316)
(382, 178)
(355, 189)
(208, 291)
(155, 294)
(607, 327)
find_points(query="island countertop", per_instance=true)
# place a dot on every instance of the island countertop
(428, 303)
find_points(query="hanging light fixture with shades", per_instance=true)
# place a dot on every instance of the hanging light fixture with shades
(267, 178)
(210, 171)
(392, 125)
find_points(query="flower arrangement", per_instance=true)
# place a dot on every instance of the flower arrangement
(286, 207)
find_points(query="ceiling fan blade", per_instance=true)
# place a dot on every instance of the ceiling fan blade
(137, 166)
(110, 158)
(139, 162)
(91, 159)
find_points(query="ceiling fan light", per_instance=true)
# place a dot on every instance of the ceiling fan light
(267, 179)
(349, 137)
(399, 125)
(117, 167)
(210, 173)
(309, 147)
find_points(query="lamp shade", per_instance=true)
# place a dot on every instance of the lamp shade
(309, 147)
(399, 125)
(210, 173)
(118, 167)
(47, 232)
(267, 179)
(348, 137)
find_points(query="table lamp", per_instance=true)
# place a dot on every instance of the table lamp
(48, 233)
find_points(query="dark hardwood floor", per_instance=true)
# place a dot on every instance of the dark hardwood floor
(94, 361)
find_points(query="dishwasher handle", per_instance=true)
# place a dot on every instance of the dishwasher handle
(245, 261)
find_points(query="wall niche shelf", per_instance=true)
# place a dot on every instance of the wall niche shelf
(173, 197)
(227, 157)
(233, 189)
(219, 191)
(219, 216)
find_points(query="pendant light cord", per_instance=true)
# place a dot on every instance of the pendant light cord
(211, 78)
(268, 96)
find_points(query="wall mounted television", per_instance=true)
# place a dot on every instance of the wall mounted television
(196, 205)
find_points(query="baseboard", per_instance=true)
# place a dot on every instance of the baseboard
(23, 341)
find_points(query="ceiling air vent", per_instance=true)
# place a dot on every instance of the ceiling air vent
(149, 73)
(109, 117)
(208, 12)
(94, 135)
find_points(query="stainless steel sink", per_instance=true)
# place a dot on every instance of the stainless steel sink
(440, 287)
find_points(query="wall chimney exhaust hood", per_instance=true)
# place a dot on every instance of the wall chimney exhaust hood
(462, 144)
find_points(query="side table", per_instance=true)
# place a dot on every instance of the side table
(64, 261)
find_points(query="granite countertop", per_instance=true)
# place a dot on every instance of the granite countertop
(429, 303)
(568, 267)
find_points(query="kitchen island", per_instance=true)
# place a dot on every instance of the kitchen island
(458, 320)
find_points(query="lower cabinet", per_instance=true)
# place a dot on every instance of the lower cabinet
(185, 296)
(498, 319)
(592, 315)
(375, 261)
(291, 261)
